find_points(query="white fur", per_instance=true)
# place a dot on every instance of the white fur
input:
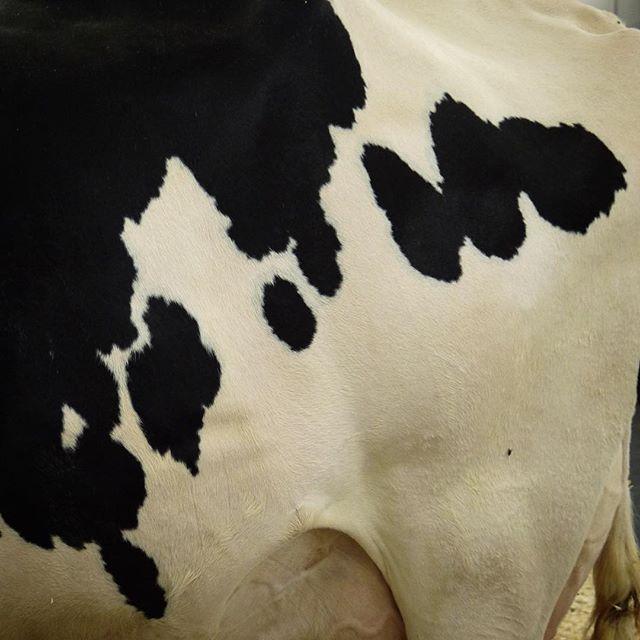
(393, 427)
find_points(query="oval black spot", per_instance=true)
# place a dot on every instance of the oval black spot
(288, 314)
(172, 381)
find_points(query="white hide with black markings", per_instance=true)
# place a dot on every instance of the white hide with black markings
(465, 436)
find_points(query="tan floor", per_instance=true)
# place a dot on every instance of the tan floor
(576, 621)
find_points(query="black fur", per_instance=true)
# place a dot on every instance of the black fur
(94, 97)
(569, 174)
(288, 314)
(172, 381)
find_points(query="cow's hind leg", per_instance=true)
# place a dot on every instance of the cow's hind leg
(617, 581)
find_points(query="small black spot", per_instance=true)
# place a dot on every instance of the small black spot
(509, 452)
(172, 381)
(569, 174)
(288, 314)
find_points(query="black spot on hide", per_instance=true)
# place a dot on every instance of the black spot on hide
(135, 573)
(288, 314)
(172, 381)
(569, 174)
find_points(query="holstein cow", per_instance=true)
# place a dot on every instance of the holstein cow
(319, 318)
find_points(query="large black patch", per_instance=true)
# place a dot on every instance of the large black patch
(172, 381)
(569, 174)
(94, 97)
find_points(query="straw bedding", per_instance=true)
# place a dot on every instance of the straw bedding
(577, 620)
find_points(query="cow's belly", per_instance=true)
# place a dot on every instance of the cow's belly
(436, 430)
(461, 434)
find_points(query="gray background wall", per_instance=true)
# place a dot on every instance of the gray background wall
(628, 10)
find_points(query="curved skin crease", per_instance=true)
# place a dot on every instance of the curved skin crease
(320, 319)
(319, 586)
